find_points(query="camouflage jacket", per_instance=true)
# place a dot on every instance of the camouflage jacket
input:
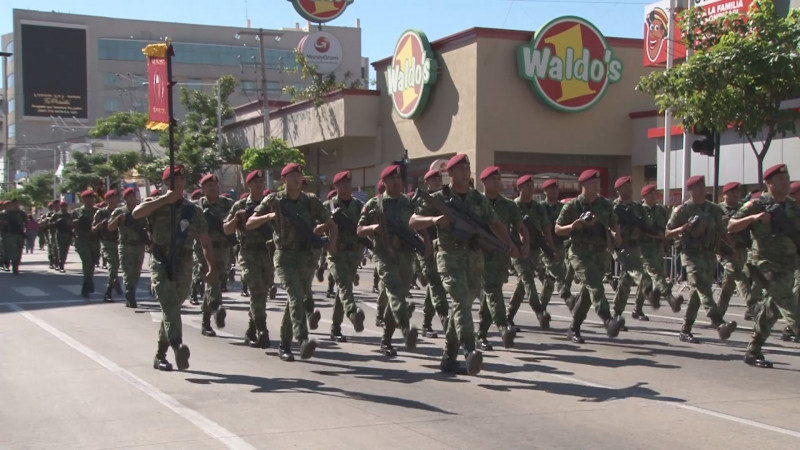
(353, 209)
(632, 235)
(655, 216)
(473, 201)
(705, 236)
(397, 210)
(84, 216)
(740, 240)
(592, 237)
(307, 207)
(770, 243)
(127, 228)
(105, 234)
(220, 211)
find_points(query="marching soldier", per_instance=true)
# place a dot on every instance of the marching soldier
(699, 224)
(133, 240)
(41, 233)
(526, 267)
(62, 225)
(393, 259)
(52, 244)
(773, 223)
(258, 271)
(87, 243)
(215, 209)
(435, 295)
(175, 224)
(323, 264)
(109, 242)
(238, 252)
(12, 221)
(589, 220)
(733, 256)
(656, 216)
(496, 264)
(198, 291)
(556, 268)
(460, 263)
(343, 264)
(299, 218)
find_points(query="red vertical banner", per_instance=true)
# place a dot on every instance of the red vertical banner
(158, 86)
(657, 34)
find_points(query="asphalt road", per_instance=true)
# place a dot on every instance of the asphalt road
(78, 374)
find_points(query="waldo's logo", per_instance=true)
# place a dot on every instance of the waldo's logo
(411, 74)
(569, 64)
(320, 10)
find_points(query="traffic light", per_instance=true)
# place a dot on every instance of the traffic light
(705, 144)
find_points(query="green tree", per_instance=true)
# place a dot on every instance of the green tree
(17, 194)
(90, 170)
(277, 154)
(39, 188)
(151, 168)
(740, 72)
(319, 84)
(195, 138)
(122, 124)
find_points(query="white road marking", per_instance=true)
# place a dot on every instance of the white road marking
(29, 291)
(155, 316)
(203, 423)
(46, 302)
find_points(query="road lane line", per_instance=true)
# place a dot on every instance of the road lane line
(200, 421)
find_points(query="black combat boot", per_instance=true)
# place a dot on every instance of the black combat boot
(107, 296)
(205, 328)
(251, 336)
(181, 356)
(273, 292)
(574, 334)
(687, 336)
(194, 294)
(160, 361)
(508, 334)
(788, 335)
(724, 329)
(757, 360)
(473, 359)
(357, 319)
(336, 334)
(307, 348)
(428, 332)
(313, 320)
(544, 320)
(613, 326)
(245, 291)
(653, 298)
(639, 315)
(219, 316)
(674, 302)
(410, 335)
(285, 351)
(262, 339)
(130, 299)
(387, 349)
(484, 344)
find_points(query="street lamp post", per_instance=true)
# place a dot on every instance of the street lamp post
(6, 179)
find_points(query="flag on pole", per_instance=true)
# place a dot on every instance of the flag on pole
(158, 86)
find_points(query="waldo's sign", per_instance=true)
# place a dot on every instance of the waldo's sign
(320, 10)
(569, 64)
(411, 74)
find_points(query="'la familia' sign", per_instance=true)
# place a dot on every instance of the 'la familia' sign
(320, 11)
(411, 74)
(569, 64)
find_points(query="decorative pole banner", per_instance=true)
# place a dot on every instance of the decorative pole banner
(158, 85)
(320, 11)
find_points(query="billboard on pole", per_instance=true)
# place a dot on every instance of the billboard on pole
(657, 34)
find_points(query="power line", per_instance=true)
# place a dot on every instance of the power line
(599, 2)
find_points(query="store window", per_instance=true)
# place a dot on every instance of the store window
(248, 86)
(111, 79)
(10, 81)
(12, 106)
(112, 105)
(12, 130)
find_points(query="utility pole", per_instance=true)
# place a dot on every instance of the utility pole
(6, 180)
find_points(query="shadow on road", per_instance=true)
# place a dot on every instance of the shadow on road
(605, 362)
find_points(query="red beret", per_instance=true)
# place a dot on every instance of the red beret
(489, 171)
(756, 194)
(456, 160)
(49, 204)
(197, 193)
(330, 195)
(179, 169)
(550, 182)
(588, 174)
(225, 194)
(244, 196)
(391, 170)
(730, 186)
(694, 180)
(267, 191)
(776, 169)
(101, 205)
(127, 192)
(621, 181)
(109, 193)
(87, 193)
(345, 174)
(795, 187)
(155, 193)
(254, 175)
(524, 179)
(291, 167)
(208, 177)
(648, 189)
(381, 186)
(432, 173)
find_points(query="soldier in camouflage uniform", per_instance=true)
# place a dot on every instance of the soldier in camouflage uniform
(50, 229)
(215, 208)
(109, 242)
(344, 263)
(12, 222)
(323, 263)
(393, 259)
(773, 221)
(496, 264)
(41, 233)
(527, 267)
(87, 242)
(294, 257)
(62, 224)
(733, 256)
(655, 283)
(556, 268)
(590, 222)
(199, 269)
(699, 224)
(133, 240)
(175, 224)
(460, 263)
(435, 294)
(258, 271)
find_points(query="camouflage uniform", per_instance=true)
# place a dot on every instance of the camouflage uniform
(62, 231)
(212, 298)
(527, 268)
(109, 242)
(653, 253)
(394, 264)
(589, 257)
(133, 241)
(556, 268)
(775, 259)
(13, 234)
(733, 261)
(343, 266)
(87, 244)
(629, 257)
(435, 294)
(52, 240)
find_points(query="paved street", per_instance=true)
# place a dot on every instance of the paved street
(77, 374)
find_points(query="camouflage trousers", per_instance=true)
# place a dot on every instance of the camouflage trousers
(779, 301)
(89, 253)
(295, 269)
(462, 273)
(493, 305)
(653, 265)
(64, 240)
(555, 272)
(435, 294)
(736, 274)
(52, 248)
(700, 269)
(131, 257)
(12, 248)
(630, 273)
(258, 273)
(170, 294)
(110, 251)
(589, 263)
(526, 285)
(395, 273)
(212, 298)
(343, 267)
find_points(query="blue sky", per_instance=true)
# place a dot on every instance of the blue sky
(382, 21)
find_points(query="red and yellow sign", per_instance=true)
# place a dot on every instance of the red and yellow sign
(320, 11)
(569, 64)
(158, 86)
(411, 74)
(657, 34)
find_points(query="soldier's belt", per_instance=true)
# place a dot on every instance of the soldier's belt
(131, 243)
(455, 246)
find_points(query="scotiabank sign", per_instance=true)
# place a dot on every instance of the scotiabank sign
(411, 74)
(569, 64)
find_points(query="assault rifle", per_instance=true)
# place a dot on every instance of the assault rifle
(628, 218)
(537, 238)
(300, 225)
(466, 227)
(137, 227)
(346, 224)
(782, 225)
(215, 224)
(265, 229)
